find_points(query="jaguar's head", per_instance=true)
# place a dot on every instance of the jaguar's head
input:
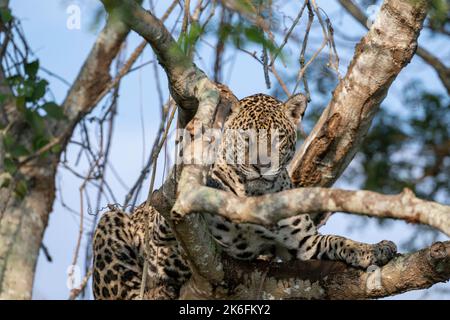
(260, 136)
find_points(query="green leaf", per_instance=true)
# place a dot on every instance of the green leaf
(176, 51)
(56, 148)
(53, 110)
(225, 31)
(21, 104)
(21, 189)
(3, 98)
(8, 140)
(195, 31)
(5, 179)
(12, 147)
(254, 34)
(40, 90)
(18, 150)
(15, 80)
(10, 166)
(36, 121)
(187, 41)
(32, 68)
(5, 15)
(439, 12)
(40, 141)
(27, 89)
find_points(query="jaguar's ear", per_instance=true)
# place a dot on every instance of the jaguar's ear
(235, 107)
(295, 107)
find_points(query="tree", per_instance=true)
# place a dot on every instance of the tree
(36, 132)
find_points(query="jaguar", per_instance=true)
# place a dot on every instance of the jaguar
(119, 238)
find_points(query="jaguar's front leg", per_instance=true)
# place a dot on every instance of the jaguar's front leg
(299, 236)
(357, 254)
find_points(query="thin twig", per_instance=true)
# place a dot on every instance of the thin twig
(265, 56)
(316, 54)
(272, 66)
(304, 45)
(288, 34)
(155, 154)
(74, 293)
(46, 252)
(184, 26)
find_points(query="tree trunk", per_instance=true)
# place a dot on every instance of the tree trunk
(22, 226)
(23, 219)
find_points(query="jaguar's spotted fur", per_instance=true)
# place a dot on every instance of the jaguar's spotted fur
(119, 238)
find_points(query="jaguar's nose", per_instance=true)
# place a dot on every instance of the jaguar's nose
(261, 168)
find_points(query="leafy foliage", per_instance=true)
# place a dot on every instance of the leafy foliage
(439, 14)
(5, 15)
(29, 92)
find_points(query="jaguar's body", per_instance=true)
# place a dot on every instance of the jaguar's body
(119, 239)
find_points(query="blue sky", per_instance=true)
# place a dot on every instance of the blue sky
(63, 51)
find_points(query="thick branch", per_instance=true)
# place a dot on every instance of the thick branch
(379, 57)
(270, 208)
(194, 94)
(202, 249)
(442, 71)
(188, 85)
(94, 76)
(315, 279)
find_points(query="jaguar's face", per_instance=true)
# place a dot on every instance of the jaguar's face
(259, 138)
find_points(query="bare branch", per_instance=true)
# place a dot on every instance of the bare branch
(155, 153)
(187, 7)
(74, 293)
(270, 208)
(94, 76)
(289, 32)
